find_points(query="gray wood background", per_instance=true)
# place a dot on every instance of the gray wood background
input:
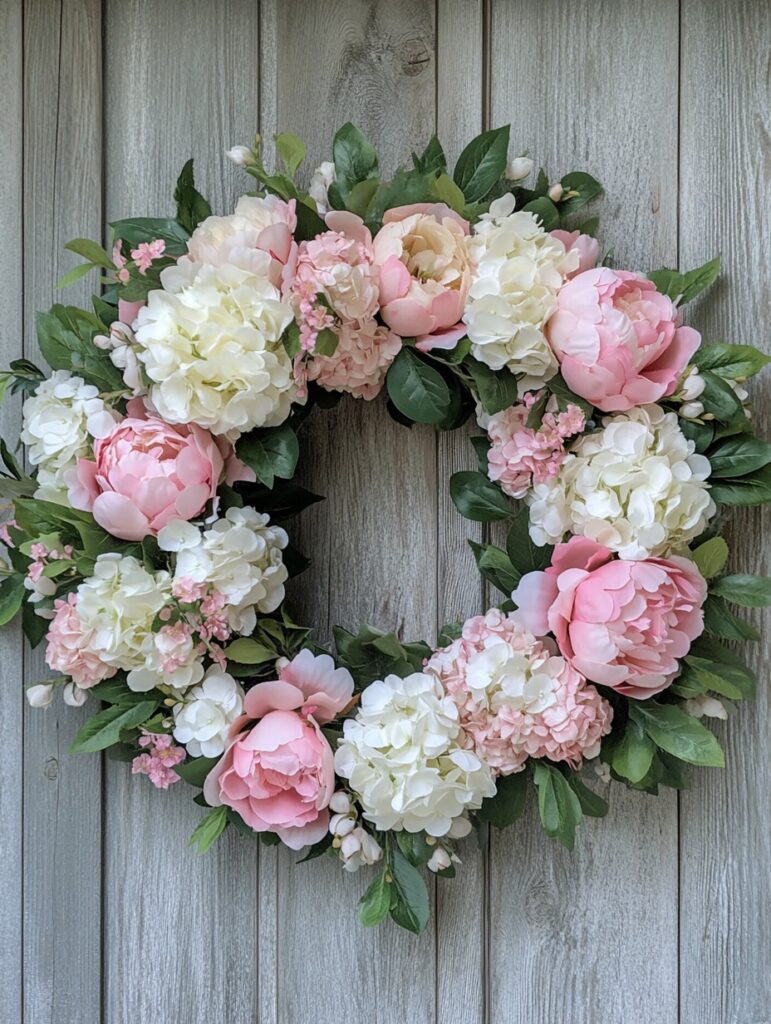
(660, 916)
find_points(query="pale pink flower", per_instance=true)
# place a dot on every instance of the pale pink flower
(517, 698)
(187, 590)
(146, 252)
(122, 273)
(174, 645)
(358, 365)
(586, 247)
(5, 536)
(68, 649)
(159, 761)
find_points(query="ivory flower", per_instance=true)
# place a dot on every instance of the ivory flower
(203, 717)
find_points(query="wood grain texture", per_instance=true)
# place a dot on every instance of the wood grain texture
(180, 931)
(562, 926)
(62, 793)
(725, 818)
(374, 540)
(11, 654)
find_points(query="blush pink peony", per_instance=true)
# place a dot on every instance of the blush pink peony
(146, 472)
(586, 247)
(517, 698)
(425, 273)
(277, 771)
(617, 339)
(621, 623)
(68, 649)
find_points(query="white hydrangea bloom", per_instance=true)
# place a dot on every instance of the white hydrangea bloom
(233, 240)
(321, 179)
(401, 757)
(520, 679)
(239, 556)
(122, 348)
(60, 421)
(210, 342)
(519, 269)
(203, 718)
(637, 486)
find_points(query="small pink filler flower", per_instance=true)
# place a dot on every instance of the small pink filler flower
(159, 760)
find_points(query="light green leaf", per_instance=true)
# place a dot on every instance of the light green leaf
(681, 288)
(91, 251)
(409, 896)
(632, 754)
(720, 621)
(376, 901)
(249, 652)
(210, 829)
(495, 565)
(355, 160)
(448, 192)
(731, 362)
(105, 728)
(326, 342)
(496, 391)
(73, 275)
(558, 805)
(678, 733)
(12, 594)
(291, 149)
(710, 557)
(747, 591)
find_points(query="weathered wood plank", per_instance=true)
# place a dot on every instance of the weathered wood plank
(180, 930)
(373, 541)
(725, 840)
(460, 902)
(590, 936)
(11, 333)
(62, 793)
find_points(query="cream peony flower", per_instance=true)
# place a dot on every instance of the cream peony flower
(60, 421)
(636, 486)
(210, 342)
(239, 557)
(519, 269)
(402, 757)
(202, 719)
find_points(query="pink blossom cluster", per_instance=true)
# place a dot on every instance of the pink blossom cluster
(69, 649)
(521, 456)
(159, 760)
(530, 704)
(41, 557)
(143, 256)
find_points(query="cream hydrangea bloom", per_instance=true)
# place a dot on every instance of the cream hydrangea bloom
(243, 239)
(239, 557)
(402, 757)
(60, 421)
(519, 269)
(202, 719)
(210, 342)
(636, 486)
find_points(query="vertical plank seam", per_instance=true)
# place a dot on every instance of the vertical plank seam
(103, 768)
(24, 657)
(437, 540)
(678, 824)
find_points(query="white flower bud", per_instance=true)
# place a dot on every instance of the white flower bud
(440, 860)
(341, 825)
(705, 706)
(555, 193)
(370, 850)
(241, 156)
(351, 845)
(692, 385)
(74, 695)
(459, 828)
(518, 168)
(340, 802)
(601, 770)
(691, 410)
(40, 695)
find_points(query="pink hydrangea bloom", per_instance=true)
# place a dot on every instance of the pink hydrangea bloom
(159, 761)
(517, 698)
(278, 770)
(521, 456)
(623, 624)
(174, 645)
(358, 365)
(68, 649)
(617, 339)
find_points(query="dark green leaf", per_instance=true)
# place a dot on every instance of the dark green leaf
(407, 187)
(735, 682)
(558, 805)
(195, 770)
(376, 901)
(592, 805)
(700, 433)
(431, 159)
(477, 498)
(35, 628)
(720, 621)
(525, 556)
(133, 230)
(272, 452)
(409, 896)
(678, 733)
(721, 400)
(496, 391)
(105, 728)
(12, 594)
(507, 805)
(210, 829)
(116, 691)
(731, 362)
(738, 456)
(495, 565)
(309, 224)
(753, 489)
(747, 591)
(416, 389)
(681, 288)
(482, 163)
(414, 847)
(585, 185)
(566, 397)
(355, 159)
(192, 208)
(546, 212)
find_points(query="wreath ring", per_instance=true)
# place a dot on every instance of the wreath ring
(146, 545)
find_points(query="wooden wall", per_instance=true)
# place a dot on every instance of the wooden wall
(660, 916)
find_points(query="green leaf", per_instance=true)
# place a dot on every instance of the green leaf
(210, 829)
(417, 390)
(558, 805)
(733, 681)
(192, 208)
(710, 557)
(376, 901)
(414, 847)
(74, 275)
(133, 230)
(525, 556)
(700, 433)
(545, 210)
(448, 192)
(271, 453)
(91, 251)
(631, 755)
(249, 652)
(721, 400)
(482, 163)
(678, 733)
(431, 159)
(747, 591)
(407, 187)
(291, 149)
(409, 896)
(105, 728)
(285, 499)
(592, 805)
(195, 770)
(720, 621)
(65, 336)
(355, 160)
(116, 691)
(495, 565)
(585, 185)
(731, 362)
(309, 224)
(477, 498)
(753, 489)
(496, 391)
(738, 456)
(291, 339)
(507, 805)
(326, 342)
(681, 288)
(361, 195)
(12, 594)
(566, 397)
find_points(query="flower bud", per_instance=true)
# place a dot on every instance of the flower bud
(74, 695)
(692, 385)
(350, 845)
(518, 168)
(241, 156)
(341, 825)
(691, 410)
(705, 706)
(40, 695)
(340, 803)
(440, 860)
(459, 828)
(555, 192)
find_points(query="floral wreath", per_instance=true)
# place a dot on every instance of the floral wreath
(147, 546)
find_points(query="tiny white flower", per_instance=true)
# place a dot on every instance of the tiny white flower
(518, 168)
(241, 156)
(601, 770)
(341, 824)
(691, 411)
(321, 179)
(556, 192)
(705, 706)
(440, 860)
(40, 695)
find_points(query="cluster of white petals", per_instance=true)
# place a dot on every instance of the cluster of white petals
(354, 844)
(402, 757)
(519, 269)
(60, 421)
(203, 717)
(210, 343)
(236, 238)
(636, 486)
(239, 557)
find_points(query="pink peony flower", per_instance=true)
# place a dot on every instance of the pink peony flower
(620, 623)
(516, 698)
(147, 473)
(159, 761)
(521, 456)
(617, 339)
(278, 772)
(425, 273)
(359, 363)
(68, 649)
(587, 248)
